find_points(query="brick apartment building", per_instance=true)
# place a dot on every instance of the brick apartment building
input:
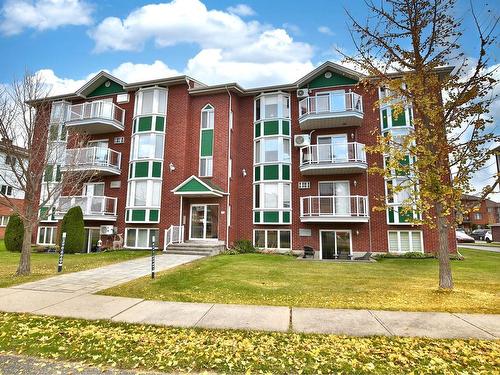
(283, 166)
(8, 182)
(483, 213)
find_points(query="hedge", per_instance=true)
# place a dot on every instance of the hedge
(14, 234)
(72, 224)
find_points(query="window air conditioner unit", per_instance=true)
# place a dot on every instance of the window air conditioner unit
(302, 93)
(302, 140)
(107, 230)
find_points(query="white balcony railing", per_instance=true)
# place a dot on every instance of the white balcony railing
(174, 234)
(99, 109)
(331, 103)
(90, 205)
(354, 206)
(335, 153)
(92, 158)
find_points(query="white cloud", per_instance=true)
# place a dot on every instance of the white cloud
(325, 30)
(243, 10)
(17, 15)
(57, 85)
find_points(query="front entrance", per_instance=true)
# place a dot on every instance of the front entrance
(335, 244)
(92, 235)
(204, 222)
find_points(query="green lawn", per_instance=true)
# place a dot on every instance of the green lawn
(45, 265)
(389, 284)
(174, 350)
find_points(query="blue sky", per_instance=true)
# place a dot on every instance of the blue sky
(254, 42)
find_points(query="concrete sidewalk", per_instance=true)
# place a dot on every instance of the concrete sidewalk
(265, 318)
(484, 247)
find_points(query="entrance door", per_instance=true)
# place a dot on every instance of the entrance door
(332, 148)
(204, 222)
(92, 235)
(101, 152)
(95, 193)
(335, 244)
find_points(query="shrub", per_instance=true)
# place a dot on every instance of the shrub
(244, 246)
(72, 224)
(14, 234)
(229, 252)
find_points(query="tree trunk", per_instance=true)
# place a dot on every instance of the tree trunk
(24, 267)
(445, 277)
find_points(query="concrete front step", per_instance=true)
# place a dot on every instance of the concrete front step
(196, 248)
(190, 252)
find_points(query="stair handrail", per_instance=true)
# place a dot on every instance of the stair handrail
(174, 234)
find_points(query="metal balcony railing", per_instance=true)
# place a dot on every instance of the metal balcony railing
(93, 158)
(90, 205)
(331, 103)
(335, 153)
(355, 206)
(99, 109)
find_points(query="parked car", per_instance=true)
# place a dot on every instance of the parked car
(488, 237)
(478, 234)
(464, 238)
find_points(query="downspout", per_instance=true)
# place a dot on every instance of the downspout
(369, 213)
(229, 165)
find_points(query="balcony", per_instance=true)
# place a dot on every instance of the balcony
(331, 110)
(97, 117)
(93, 207)
(334, 209)
(102, 160)
(335, 158)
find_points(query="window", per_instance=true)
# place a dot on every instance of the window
(141, 238)
(272, 106)
(10, 160)
(478, 216)
(405, 241)
(147, 146)
(273, 195)
(6, 190)
(151, 101)
(4, 220)
(206, 141)
(59, 112)
(272, 149)
(272, 239)
(144, 193)
(46, 236)
(304, 184)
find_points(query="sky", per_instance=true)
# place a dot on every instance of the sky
(254, 42)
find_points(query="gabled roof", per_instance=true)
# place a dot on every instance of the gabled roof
(194, 186)
(97, 81)
(329, 66)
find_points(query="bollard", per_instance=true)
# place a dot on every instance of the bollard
(153, 257)
(61, 253)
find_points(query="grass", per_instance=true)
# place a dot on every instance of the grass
(125, 346)
(389, 284)
(45, 265)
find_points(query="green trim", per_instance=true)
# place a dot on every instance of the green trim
(145, 124)
(271, 172)
(286, 216)
(335, 80)
(127, 215)
(142, 169)
(101, 90)
(271, 128)
(257, 130)
(257, 173)
(385, 123)
(390, 212)
(285, 125)
(159, 123)
(207, 140)
(58, 173)
(138, 215)
(49, 170)
(405, 217)
(285, 172)
(156, 169)
(271, 217)
(256, 217)
(153, 215)
(400, 120)
(193, 185)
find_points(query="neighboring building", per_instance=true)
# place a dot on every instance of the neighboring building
(8, 182)
(479, 213)
(283, 166)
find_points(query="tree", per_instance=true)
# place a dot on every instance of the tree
(14, 234)
(72, 224)
(403, 46)
(33, 134)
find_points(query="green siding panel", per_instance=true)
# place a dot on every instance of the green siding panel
(271, 172)
(141, 169)
(127, 215)
(286, 127)
(286, 217)
(285, 173)
(114, 88)
(156, 169)
(257, 130)
(391, 215)
(48, 173)
(384, 119)
(335, 80)
(271, 127)
(207, 142)
(145, 124)
(400, 120)
(256, 217)
(257, 174)
(405, 217)
(153, 215)
(160, 123)
(271, 217)
(138, 215)
(193, 186)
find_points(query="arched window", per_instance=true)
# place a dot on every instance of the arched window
(207, 141)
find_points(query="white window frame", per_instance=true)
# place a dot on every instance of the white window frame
(279, 239)
(149, 192)
(4, 220)
(281, 140)
(46, 229)
(136, 237)
(151, 134)
(156, 93)
(6, 190)
(282, 98)
(280, 196)
(209, 160)
(410, 234)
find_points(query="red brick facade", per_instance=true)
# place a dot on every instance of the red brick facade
(181, 150)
